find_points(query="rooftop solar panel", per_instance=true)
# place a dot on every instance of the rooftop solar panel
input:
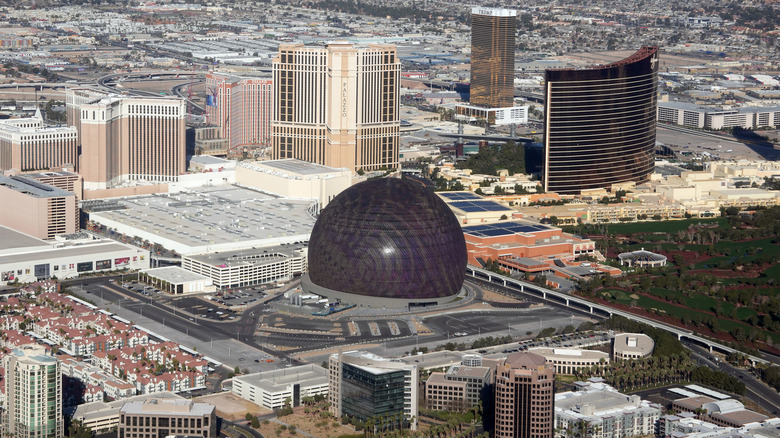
(480, 205)
(504, 228)
(460, 196)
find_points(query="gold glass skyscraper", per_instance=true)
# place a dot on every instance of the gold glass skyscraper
(492, 57)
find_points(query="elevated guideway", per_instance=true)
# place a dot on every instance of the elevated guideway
(583, 305)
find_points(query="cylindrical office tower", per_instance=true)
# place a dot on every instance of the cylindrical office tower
(600, 124)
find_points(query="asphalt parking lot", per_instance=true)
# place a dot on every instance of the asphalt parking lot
(203, 308)
(476, 323)
(239, 297)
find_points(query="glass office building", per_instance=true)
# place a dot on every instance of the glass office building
(600, 124)
(365, 386)
(366, 394)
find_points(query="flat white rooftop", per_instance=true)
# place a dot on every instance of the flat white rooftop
(96, 247)
(294, 167)
(12, 240)
(212, 219)
(280, 380)
(174, 275)
(168, 406)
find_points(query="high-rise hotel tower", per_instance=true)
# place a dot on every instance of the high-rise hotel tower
(337, 105)
(492, 57)
(600, 124)
(241, 107)
(127, 138)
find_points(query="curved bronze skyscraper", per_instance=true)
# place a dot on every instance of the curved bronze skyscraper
(492, 57)
(600, 124)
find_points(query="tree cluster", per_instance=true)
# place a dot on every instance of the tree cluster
(489, 159)
(771, 376)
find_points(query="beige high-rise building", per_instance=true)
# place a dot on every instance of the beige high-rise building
(128, 138)
(40, 210)
(337, 105)
(241, 107)
(27, 144)
(33, 394)
(525, 397)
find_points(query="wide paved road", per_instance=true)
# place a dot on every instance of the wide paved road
(755, 390)
(231, 343)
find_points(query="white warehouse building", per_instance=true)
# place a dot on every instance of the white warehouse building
(26, 259)
(270, 389)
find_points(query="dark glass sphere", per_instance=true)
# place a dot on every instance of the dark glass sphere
(389, 238)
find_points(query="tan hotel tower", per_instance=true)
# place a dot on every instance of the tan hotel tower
(337, 105)
(128, 138)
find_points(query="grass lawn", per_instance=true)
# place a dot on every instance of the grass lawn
(702, 302)
(773, 272)
(691, 312)
(712, 262)
(665, 293)
(661, 226)
(765, 244)
(655, 237)
(618, 295)
(743, 313)
(665, 308)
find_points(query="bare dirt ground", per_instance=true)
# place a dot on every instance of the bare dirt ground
(671, 61)
(312, 423)
(232, 407)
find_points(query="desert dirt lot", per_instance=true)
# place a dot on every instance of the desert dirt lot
(312, 423)
(232, 407)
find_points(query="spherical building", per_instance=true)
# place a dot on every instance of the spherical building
(386, 242)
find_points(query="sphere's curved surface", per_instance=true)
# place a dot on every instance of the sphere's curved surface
(388, 238)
